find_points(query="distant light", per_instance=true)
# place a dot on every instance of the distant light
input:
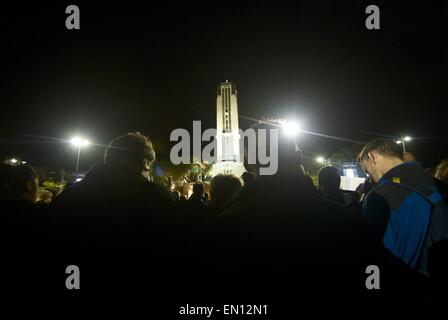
(320, 160)
(75, 141)
(399, 141)
(291, 128)
(351, 173)
(14, 161)
(79, 142)
(407, 138)
(78, 179)
(23, 162)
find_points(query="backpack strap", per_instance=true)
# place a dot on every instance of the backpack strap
(431, 201)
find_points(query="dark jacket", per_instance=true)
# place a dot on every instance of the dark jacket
(400, 214)
(116, 224)
(282, 238)
(335, 196)
(24, 234)
(114, 196)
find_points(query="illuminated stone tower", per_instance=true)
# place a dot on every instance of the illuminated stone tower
(227, 138)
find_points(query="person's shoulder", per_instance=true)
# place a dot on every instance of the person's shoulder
(373, 196)
(374, 203)
(158, 191)
(19, 205)
(304, 182)
(73, 198)
(68, 193)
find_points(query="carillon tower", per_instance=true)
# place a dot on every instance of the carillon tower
(227, 137)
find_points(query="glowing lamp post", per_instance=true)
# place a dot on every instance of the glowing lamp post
(402, 142)
(291, 128)
(79, 143)
(15, 162)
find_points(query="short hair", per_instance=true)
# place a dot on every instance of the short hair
(222, 189)
(21, 175)
(442, 171)
(384, 147)
(329, 178)
(131, 148)
(198, 188)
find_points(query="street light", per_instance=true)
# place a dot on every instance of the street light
(403, 140)
(320, 160)
(15, 162)
(79, 143)
(291, 128)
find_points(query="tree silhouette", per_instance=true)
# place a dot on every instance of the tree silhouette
(346, 154)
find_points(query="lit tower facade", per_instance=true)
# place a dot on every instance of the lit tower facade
(227, 137)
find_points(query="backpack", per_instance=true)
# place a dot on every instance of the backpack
(438, 222)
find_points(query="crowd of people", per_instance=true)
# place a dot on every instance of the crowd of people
(252, 235)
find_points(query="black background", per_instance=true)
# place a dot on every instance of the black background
(155, 66)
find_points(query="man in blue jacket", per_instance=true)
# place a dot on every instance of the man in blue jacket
(397, 206)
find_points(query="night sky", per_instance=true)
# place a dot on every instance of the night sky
(155, 67)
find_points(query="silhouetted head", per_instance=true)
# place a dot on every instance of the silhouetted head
(248, 178)
(25, 182)
(5, 177)
(198, 188)
(379, 156)
(132, 149)
(222, 189)
(329, 179)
